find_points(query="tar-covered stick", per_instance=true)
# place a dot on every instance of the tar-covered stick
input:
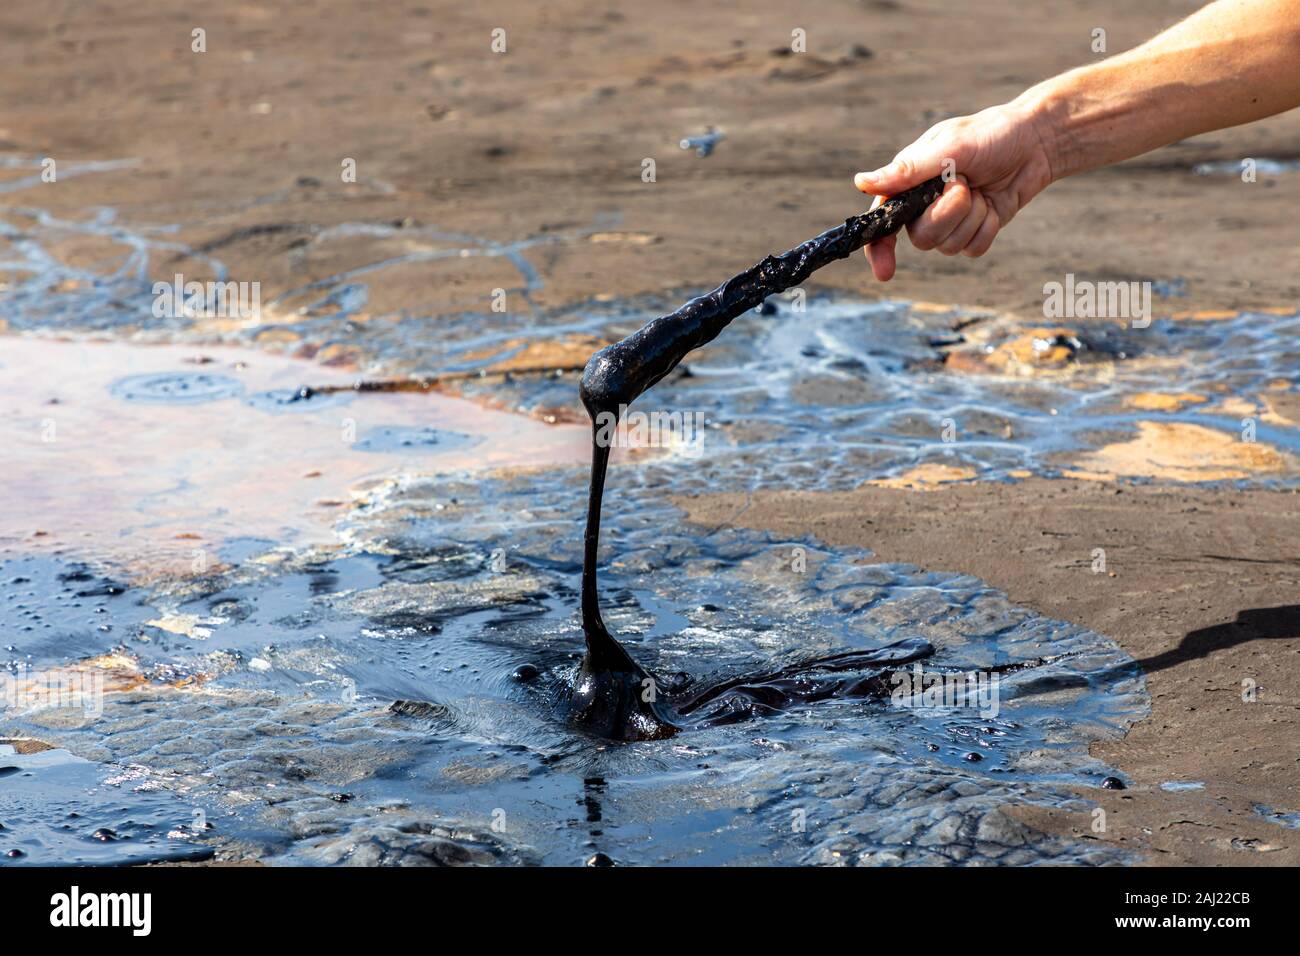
(616, 375)
(613, 696)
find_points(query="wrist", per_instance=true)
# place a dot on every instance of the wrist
(1044, 111)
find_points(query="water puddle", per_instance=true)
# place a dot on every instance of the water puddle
(1283, 818)
(155, 457)
(898, 393)
(55, 807)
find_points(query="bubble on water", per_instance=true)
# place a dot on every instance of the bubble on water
(176, 388)
(403, 438)
(297, 400)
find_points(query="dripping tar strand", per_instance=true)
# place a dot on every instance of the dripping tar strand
(612, 695)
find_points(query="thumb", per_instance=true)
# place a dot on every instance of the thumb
(910, 168)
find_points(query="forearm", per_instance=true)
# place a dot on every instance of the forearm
(1229, 63)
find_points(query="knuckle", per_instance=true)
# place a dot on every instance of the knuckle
(946, 225)
(961, 203)
(977, 249)
(905, 167)
(921, 238)
(948, 129)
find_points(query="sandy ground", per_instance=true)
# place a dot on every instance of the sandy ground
(242, 146)
(551, 135)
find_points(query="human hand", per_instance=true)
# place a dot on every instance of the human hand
(995, 161)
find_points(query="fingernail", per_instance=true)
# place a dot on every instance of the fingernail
(863, 179)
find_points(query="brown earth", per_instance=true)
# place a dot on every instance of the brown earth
(545, 138)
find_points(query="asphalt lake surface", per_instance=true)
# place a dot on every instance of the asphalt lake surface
(395, 694)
